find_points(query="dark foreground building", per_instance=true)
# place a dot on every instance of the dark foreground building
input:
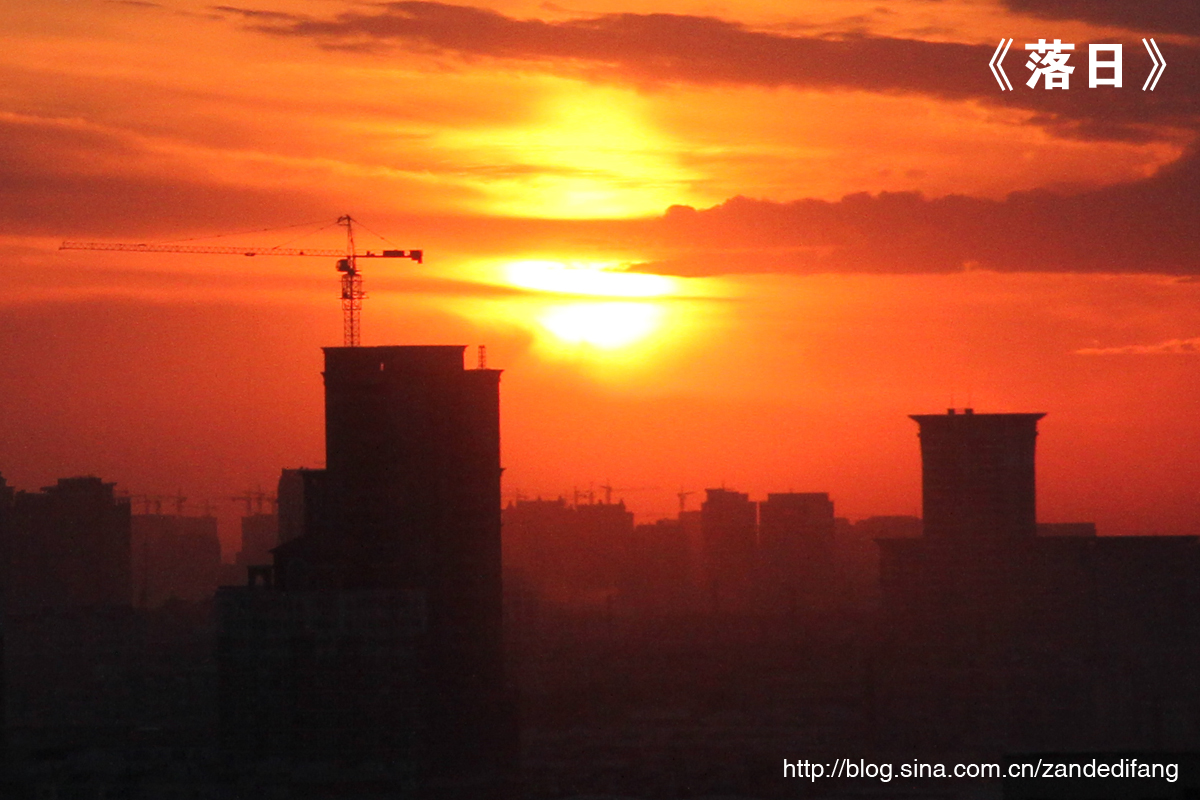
(370, 656)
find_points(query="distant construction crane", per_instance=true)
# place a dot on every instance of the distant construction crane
(248, 499)
(149, 501)
(609, 489)
(352, 291)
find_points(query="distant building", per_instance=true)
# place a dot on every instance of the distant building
(857, 554)
(376, 639)
(260, 535)
(998, 637)
(67, 546)
(690, 525)
(299, 507)
(658, 576)
(796, 542)
(575, 555)
(538, 535)
(604, 540)
(174, 557)
(729, 528)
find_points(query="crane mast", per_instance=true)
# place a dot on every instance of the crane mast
(352, 286)
(352, 291)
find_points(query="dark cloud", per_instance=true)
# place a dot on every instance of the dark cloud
(1151, 16)
(657, 48)
(1141, 227)
(59, 178)
(63, 179)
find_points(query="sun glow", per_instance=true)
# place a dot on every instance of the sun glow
(604, 325)
(607, 326)
(599, 280)
(595, 315)
(588, 152)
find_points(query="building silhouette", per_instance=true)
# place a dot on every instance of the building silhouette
(260, 535)
(796, 546)
(998, 637)
(977, 474)
(576, 555)
(299, 493)
(67, 546)
(174, 557)
(729, 529)
(659, 577)
(376, 639)
(539, 538)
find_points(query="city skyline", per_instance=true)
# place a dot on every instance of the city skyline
(709, 245)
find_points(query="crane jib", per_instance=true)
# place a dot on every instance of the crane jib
(352, 292)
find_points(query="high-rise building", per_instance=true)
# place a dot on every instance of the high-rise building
(381, 622)
(68, 546)
(795, 523)
(576, 555)
(998, 636)
(412, 463)
(658, 578)
(729, 528)
(977, 474)
(795, 533)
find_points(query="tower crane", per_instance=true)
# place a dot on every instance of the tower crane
(347, 265)
(248, 499)
(609, 489)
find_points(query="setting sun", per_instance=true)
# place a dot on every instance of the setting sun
(607, 326)
(604, 325)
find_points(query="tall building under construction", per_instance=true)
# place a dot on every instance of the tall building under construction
(381, 619)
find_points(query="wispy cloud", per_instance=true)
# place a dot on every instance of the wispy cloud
(1169, 347)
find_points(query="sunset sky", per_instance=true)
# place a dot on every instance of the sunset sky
(710, 242)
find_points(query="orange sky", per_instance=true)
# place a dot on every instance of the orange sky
(860, 226)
